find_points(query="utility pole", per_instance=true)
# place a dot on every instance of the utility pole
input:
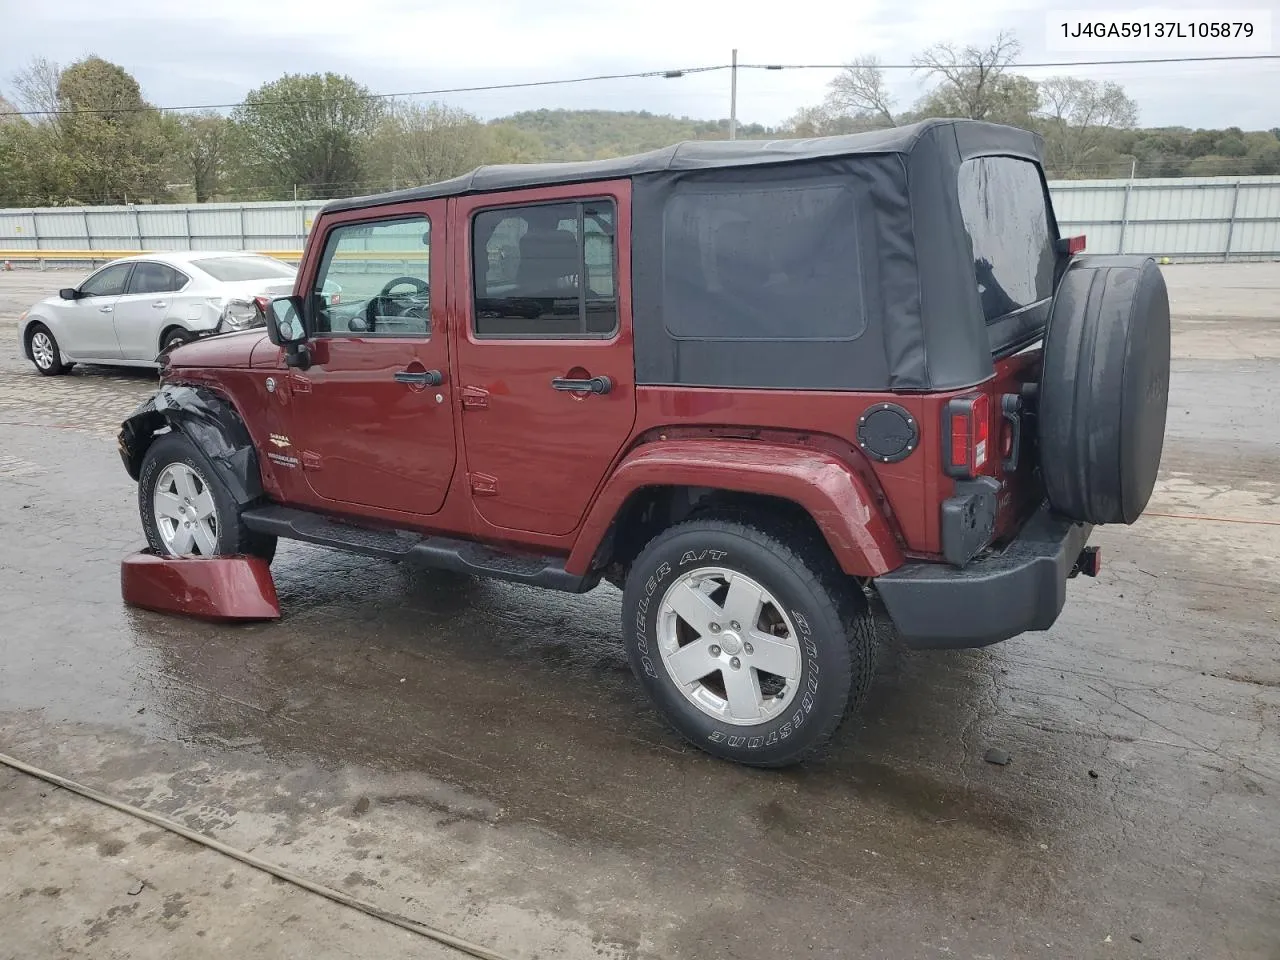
(733, 97)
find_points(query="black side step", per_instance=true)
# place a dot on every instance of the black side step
(443, 553)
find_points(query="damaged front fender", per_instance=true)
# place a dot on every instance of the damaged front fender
(212, 425)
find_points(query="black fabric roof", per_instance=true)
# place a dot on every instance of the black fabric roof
(972, 136)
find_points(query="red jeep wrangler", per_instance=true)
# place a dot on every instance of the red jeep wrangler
(755, 384)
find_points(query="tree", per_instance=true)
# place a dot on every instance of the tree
(36, 87)
(808, 122)
(307, 130)
(422, 143)
(859, 90)
(1264, 152)
(115, 143)
(513, 144)
(973, 82)
(204, 143)
(1076, 118)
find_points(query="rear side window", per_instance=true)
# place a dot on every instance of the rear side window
(155, 278)
(232, 269)
(546, 270)
(1002, 201)
(762, 262)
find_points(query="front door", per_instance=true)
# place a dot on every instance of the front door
(371, 418)
(90, 319)
(546, 374)
(142, 313)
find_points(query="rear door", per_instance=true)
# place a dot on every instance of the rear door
(541, 282)
(370, 421)
(143, 311)
(90, 319)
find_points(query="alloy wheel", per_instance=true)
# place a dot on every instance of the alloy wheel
(185, 514)
(43, 350)
(729, 646)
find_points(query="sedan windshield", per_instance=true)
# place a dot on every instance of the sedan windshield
(231, 269)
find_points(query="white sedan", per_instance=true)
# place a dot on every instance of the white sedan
(131, 310)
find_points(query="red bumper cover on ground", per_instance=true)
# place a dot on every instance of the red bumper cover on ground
(218, 588)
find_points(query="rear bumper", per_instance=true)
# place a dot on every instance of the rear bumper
(936, 605)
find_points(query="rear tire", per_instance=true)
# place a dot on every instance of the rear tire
(45, 352)
(766, 694)
(175, 337)
(187, 511)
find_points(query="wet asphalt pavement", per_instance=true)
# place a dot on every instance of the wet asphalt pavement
(477, 755)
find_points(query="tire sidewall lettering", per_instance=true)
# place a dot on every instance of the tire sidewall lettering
(747, 739)
(642, 619)
(701, 556)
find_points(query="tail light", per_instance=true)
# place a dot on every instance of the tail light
(1071, 245)
(967, 430)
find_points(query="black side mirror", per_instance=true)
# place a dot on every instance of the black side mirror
(285, 328)
(69, 293)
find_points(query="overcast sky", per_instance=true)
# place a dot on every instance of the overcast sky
(187, 53)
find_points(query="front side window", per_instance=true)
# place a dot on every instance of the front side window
(547, 270)
(1002, 202)
(107, 282)
(374, 280)
(155, 278)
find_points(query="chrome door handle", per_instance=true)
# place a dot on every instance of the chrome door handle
(104, 309)
(159, 305)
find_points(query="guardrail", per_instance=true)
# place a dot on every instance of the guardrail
(102, 256)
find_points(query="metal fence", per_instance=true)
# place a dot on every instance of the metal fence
(53, 234)
(1190, 218)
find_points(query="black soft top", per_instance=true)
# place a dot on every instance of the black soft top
(848, 264)
(973, 137)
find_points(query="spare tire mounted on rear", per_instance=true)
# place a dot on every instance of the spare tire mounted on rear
(1104, 389)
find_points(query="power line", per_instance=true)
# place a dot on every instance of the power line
(640, 75)
(1019, 66)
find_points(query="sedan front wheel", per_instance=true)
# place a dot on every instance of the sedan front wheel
(45, 353)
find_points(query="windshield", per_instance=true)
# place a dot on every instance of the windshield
(231, 269)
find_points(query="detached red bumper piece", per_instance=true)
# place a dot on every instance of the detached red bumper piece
(218, 588)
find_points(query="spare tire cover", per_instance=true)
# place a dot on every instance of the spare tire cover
(1104, 389)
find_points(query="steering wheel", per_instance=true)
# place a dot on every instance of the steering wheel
(403, 304)
(420, 286)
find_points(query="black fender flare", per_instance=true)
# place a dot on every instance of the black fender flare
(212, 424)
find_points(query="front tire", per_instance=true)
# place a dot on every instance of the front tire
(45, 352)
(186, 510)
(752, 643)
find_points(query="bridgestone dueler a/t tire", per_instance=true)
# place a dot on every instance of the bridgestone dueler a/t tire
(1104, 390)
(837, 632)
